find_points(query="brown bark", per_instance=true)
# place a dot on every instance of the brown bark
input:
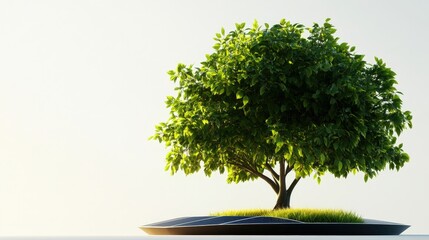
(284, 194)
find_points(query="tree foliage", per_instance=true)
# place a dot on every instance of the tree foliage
(285, 97)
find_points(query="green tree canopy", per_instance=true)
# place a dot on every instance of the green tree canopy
(284, 97)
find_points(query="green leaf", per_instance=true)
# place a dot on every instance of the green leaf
(245, 100)
(240, 26)
(340, 166)
(290, 148)
(300, 152)
(279, 146)
(305, 103)
(322, 158)
(262, 90)
(216, 46)
(239, 94)
(255, 24)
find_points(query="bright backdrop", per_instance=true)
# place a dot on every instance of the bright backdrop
(83, 82)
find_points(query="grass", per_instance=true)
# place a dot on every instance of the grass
(299, 214)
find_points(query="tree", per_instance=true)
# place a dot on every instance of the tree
(284, 97)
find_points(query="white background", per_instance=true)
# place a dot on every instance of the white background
(83, 83)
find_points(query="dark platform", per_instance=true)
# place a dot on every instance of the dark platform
(236, 225)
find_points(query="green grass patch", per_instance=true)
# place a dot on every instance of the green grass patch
(299, 214)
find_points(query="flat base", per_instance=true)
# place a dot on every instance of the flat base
(237, 225)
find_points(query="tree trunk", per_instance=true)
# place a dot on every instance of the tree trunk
(283, 199)
(284, 194)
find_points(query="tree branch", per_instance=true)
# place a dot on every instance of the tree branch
(271, 170)
(282, 174)
(293, 184)
(253, 171)
(243, 164)
(288, 169)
